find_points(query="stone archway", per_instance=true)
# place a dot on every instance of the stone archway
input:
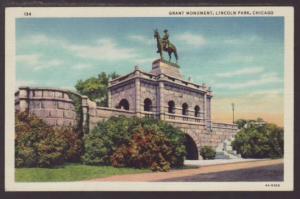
(124, 104)
(191, 148)
(147, 105)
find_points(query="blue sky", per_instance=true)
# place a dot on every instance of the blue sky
(241, 58)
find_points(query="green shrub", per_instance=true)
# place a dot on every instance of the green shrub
(146, 149)
(73, 144)
(259, 140)
(40, 145)
(135, 142)
(208, 153)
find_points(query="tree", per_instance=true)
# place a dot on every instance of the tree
(96, 87)
(259, 139)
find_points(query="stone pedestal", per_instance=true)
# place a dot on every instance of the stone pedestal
(162, 67)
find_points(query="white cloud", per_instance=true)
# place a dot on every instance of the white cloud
(243, 71)
(39, 39)
(82, 66)
(37, 61)
(144, 60)
(245, 39)
(141, 39)
(29, 59)
(192, 39)
(269, 92)
(105, 49)
(263, 79)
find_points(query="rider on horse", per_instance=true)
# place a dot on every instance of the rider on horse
(163, 44)
(165, 39)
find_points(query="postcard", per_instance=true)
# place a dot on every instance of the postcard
(149, 99)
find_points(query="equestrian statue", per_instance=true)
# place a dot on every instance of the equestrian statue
(163, 44)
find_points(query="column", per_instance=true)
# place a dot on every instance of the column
(85, 112)
(109, 103)
(209, 111)
(137, 94)
(204, 109)
(23, 99)
(161, 99)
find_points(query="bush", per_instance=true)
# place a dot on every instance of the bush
(135, 142)
(73, 144)
(259, 140)
(208, 153)
(39, 145)
(146, 149)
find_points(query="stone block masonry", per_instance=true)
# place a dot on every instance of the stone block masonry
(54, 106)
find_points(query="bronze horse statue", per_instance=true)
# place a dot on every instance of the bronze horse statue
(162, 47)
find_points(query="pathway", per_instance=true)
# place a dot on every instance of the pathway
(162, 176)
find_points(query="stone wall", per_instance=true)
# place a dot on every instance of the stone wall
(206, 137)
(180, 96)
(53, 105)
(126, 91)
(149, 89)
(98, 114)
(56, 107)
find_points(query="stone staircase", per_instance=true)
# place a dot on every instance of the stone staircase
(225, 151)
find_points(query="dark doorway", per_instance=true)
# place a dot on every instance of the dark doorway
(185, 109)
(171, 107)
(124, 104)
(147, 105)
(191, 148)
(197, 111)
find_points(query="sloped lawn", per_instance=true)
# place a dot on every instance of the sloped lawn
(71, 172)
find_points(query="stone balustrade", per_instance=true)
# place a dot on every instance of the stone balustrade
(224, 126)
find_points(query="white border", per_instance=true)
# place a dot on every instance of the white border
(12, 13)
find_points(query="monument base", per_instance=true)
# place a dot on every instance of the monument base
(163, 67)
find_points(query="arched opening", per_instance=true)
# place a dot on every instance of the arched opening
(171, 107)
(147, 105)
(197, 111)
(191, 148)
(185, 109)
(124, 104)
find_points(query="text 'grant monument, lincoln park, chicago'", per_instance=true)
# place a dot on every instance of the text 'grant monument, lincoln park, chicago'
(161, 93)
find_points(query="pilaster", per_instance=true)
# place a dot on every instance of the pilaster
(85, 113)
(161, 98)
(137, 93)
(109, 103)
(23, 99)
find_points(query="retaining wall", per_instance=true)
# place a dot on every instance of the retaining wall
(54, 106)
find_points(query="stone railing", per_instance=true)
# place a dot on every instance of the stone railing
(149, 114)
(183, 118)
(224, 126)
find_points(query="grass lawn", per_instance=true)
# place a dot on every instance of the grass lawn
(71, 172)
